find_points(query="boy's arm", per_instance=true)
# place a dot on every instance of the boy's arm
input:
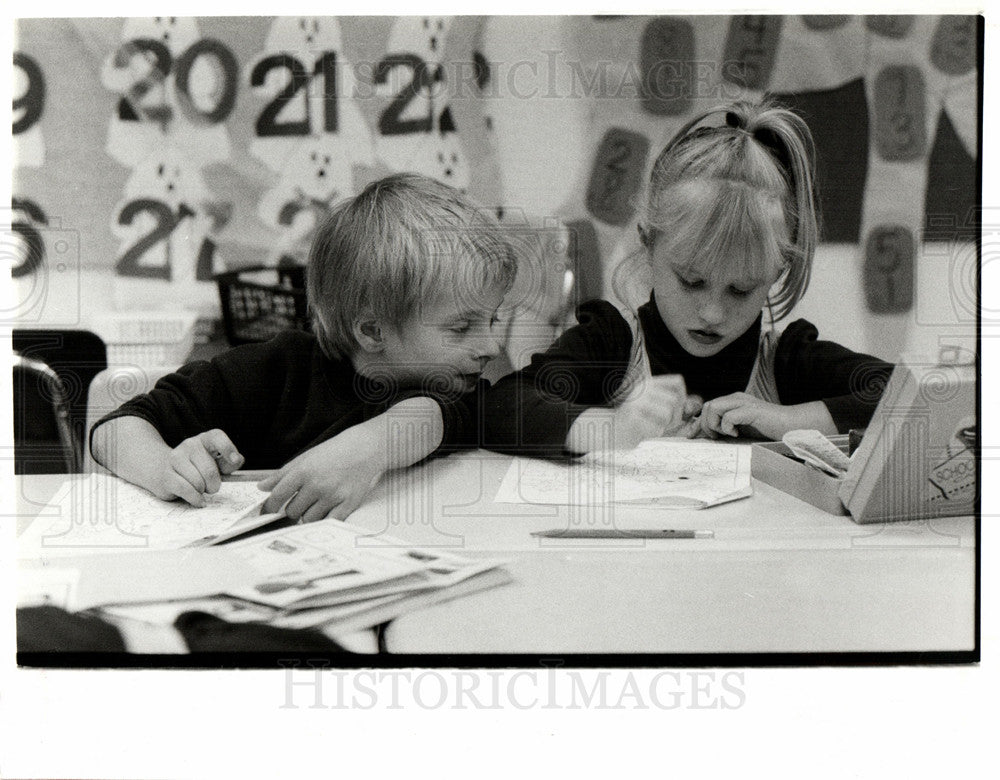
(133, 449)
(333, 478)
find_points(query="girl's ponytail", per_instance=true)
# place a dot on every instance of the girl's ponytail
(786, 136)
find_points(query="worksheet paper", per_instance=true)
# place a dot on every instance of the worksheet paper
(667, 473)
(105, 514)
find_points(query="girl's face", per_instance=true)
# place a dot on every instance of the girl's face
(707, 312)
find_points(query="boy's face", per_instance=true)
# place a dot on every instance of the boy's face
(707, 312)
(446, 345)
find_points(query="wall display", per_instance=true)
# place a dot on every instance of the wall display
(308, 129)
(889, 254)
(174, 148)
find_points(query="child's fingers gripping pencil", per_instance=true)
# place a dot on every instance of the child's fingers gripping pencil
(691, 424)
(197, 464)
(225, 454)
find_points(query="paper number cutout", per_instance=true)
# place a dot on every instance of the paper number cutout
(667, 65)
(32, 102)
(889, 26)
(31, 242)
(900, 123)
(888, 272)
(824, 22)
(166, 221)
(953, 48)
(616, 175)
(268, 124)
(132, 101)
(750, 49)
(131, 104)
(227, 71)
(391, 122)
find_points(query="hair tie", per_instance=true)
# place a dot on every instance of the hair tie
(734, 121)
(773, 142)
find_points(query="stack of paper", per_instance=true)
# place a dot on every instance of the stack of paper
(334, 575)
(327, 573)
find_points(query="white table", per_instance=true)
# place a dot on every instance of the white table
(778, 576)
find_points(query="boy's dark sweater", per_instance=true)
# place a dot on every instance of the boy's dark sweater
(531, 411)
(279, 398)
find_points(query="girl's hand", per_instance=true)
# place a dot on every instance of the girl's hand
(332, 478)
(195, 467)
(657, 406)
(741, 414)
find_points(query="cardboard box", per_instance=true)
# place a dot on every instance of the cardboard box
(772, 462)
(917, 460)
(919, 457)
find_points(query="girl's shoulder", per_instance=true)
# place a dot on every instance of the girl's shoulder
(601, 318)
(800, 340)
(797, 331)
(600, 311)
(601, 333)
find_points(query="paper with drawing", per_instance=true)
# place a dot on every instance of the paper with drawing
(670, 473)
(102, 514)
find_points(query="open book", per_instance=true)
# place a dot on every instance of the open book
(104, 514)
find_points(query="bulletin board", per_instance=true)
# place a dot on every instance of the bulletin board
(163, 150)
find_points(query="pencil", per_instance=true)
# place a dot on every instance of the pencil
(622, 533)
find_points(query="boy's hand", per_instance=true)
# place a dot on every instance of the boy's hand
(743, 414)
(331, 478)
(657, 406)
(195, 467)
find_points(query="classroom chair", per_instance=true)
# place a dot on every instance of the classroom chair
(110, 389)
(75, 357)
(43, 439)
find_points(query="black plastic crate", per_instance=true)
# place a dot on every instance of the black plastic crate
(254, 308)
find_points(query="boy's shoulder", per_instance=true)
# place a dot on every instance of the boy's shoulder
(290, 346)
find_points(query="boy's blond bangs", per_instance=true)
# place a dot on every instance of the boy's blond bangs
(403, 241)
(463, 264)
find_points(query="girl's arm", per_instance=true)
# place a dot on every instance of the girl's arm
(532, 411)
(655, 407)
(741, 414)
(848, 384)
(822, 386)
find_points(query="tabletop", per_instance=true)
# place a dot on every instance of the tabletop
(777, 575)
